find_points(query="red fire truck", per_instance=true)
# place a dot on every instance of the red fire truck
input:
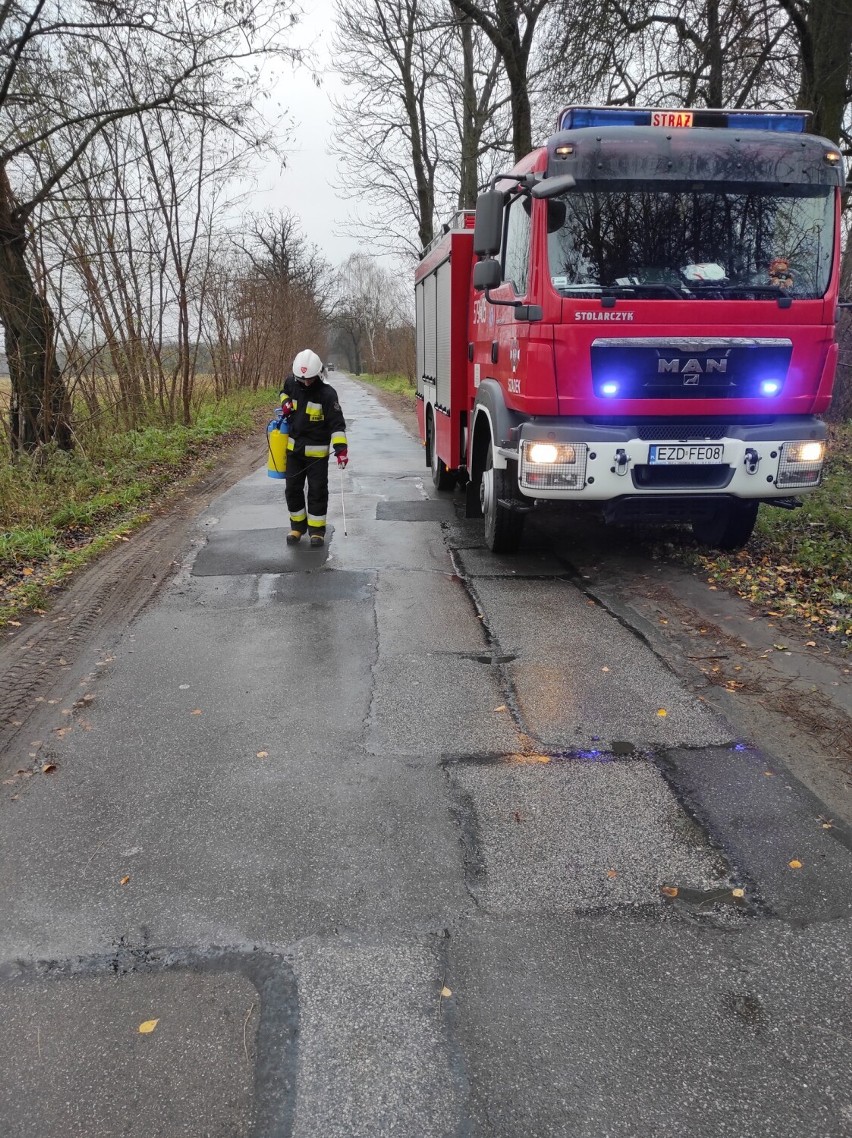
(639, 317)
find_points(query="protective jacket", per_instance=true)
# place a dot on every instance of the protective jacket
(316, 421)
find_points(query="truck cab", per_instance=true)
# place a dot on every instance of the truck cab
(648, 325)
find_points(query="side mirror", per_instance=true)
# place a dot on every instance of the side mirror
(550, 187)
(488, 230)
(487, 274)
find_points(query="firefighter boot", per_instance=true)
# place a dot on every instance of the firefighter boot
(317, 540)
(294, 537)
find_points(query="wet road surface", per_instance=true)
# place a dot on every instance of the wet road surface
(400, 838)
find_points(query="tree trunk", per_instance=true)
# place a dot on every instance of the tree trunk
(40, 408)
(826, 43)
(715, 56)
(469, 139)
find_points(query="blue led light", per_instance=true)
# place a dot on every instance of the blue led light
(609, 389)
(770, 386)
(790, 122)
(573, 118)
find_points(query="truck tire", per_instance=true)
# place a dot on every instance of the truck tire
(728, 526)
(442, 478)
(503, 527)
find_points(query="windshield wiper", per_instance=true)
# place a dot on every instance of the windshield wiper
(645, 286)
(714, 286)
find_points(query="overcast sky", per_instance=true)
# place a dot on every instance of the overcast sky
(316, 154)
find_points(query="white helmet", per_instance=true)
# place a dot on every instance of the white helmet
(307, 365)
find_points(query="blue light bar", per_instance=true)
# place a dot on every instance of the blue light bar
(573, 118)
(789, 122)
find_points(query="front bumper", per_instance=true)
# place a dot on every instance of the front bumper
(757, 461)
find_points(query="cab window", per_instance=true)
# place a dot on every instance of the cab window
(516, 246)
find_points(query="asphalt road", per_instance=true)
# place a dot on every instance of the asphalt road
(401, 839)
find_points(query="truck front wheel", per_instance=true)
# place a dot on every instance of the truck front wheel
(504, 527)
(729, 525)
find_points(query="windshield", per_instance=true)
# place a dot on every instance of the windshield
(667, 242)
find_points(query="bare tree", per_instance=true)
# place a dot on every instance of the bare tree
(70, 71)
(511, 27)
(370, 305)
(423, 114)
(823, 29)
(266, 301)
(388, 53)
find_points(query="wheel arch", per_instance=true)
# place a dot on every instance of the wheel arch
(492, 421)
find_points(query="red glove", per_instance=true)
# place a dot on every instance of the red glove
(342, 457)
(286, 407)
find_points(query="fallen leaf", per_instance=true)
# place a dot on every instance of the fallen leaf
(780, 647)
(48, 768)
(124, 880)
(445, 991)
(502, 707)
(148, 1026)
(795, 863)
(769, 774)
(27, 572)
(611, 873)
(810, 644)
(738, 892)
(669, 890)
(263, 754)
(197, 711)
(15, 623)
(662, 713)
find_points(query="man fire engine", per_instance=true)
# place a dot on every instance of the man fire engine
(639, 316)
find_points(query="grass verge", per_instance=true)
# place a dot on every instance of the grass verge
(60, 510)
(398, 384)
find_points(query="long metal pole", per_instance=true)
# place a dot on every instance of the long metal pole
(342, 502)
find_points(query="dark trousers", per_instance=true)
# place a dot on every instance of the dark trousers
(315, 471)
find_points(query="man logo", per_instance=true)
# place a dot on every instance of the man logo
(690, 381)
(692, 367)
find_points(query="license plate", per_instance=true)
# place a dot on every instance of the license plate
(685, 454)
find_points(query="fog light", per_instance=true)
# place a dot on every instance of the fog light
(542, 452)
(770, 387)
(804, 452)
(801, 464)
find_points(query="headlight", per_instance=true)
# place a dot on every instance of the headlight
(801, 464)
(804, 452)
(553, 466)
(543, 452)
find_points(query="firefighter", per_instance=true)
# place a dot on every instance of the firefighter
(316, 426)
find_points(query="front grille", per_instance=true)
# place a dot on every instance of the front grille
(682, 431)
(650, 368)
(714, 476)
